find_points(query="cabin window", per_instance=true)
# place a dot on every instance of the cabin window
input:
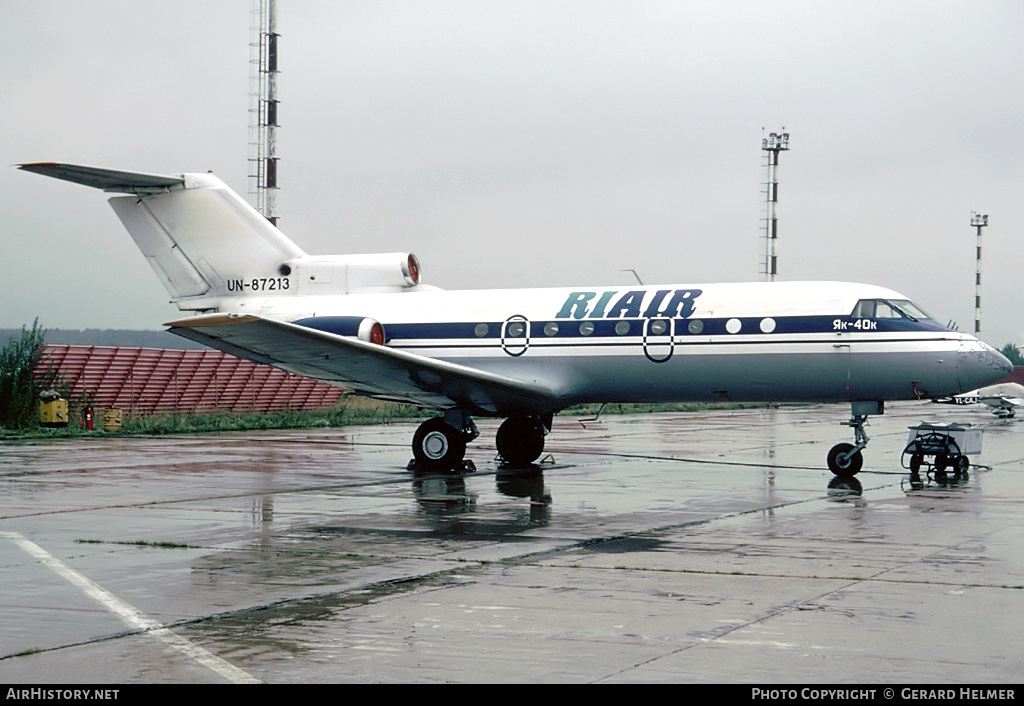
(586, 328)
(733, 325)
(658, 327)
(515, 329)
(695, 326)
(480, 330)
(622, 328)
(550, 328)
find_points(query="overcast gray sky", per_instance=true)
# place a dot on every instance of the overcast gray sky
(534, 142)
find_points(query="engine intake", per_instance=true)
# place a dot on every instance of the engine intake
(363, 328)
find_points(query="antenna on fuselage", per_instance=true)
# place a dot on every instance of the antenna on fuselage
(635, 275)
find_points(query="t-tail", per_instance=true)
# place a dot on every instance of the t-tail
(209, 247)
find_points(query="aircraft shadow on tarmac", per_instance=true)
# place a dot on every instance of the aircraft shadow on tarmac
(442, 494)
(840, 487)
(445, 493)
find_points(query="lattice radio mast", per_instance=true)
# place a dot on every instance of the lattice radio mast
(263, 40)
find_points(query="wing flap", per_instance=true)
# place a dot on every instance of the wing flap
(367, 368)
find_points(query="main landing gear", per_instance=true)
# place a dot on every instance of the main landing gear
(845, 460)
(440, 443)
(520, 440)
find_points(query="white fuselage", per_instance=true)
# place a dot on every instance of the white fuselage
(719, 342)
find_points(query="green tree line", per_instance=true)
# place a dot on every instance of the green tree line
(1013, 353)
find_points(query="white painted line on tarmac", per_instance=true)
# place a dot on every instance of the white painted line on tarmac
(130, 614)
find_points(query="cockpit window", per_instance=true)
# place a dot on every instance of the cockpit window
(888, 309)
(865, 309)
(910, 309)
(885, 310)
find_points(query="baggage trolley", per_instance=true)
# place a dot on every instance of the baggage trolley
(939, 449)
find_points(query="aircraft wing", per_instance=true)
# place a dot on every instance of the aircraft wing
(367, 368)
(1003, 398)
(1001, 402)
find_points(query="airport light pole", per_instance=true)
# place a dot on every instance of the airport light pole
(978, 221)
(772, 145)
(263, 102)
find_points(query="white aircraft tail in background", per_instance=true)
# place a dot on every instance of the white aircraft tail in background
(367, 323)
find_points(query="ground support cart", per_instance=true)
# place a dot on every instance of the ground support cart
(940, 449)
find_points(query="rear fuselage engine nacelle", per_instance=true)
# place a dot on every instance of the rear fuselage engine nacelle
(348, 274)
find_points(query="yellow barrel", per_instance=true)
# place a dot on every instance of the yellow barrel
(112, 419)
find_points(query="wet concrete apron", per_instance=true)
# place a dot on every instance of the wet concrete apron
(671, 547)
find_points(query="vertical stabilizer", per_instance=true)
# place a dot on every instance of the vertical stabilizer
(203, 238)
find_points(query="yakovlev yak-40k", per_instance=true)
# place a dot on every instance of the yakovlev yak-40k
(367, 324)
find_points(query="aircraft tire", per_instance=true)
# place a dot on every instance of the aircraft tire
(520, 440)
(850, 467)
(437, 445)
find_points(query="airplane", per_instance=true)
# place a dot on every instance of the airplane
(1004, 398)
(367, 323)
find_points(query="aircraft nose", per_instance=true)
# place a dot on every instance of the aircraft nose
(979, 365)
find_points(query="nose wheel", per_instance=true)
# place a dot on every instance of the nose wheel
(846, 460)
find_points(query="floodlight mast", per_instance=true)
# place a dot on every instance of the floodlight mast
(772, 145)
(263, 104)
(978, 221)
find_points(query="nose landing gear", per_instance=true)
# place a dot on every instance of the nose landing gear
(845, 460)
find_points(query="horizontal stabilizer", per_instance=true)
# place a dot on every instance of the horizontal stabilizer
(106, 179)
(366, 368)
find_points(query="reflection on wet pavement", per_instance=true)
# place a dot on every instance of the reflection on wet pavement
(709, 546)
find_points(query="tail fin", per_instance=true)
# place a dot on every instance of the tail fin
(199, 236)
(202, 238)
(209, 247)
